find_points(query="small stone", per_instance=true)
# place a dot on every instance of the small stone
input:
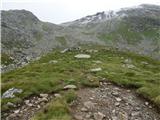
(30, 105)
(44, 100)
(70, 87)
(146, 103)
(53, 61)
(115, 93)
(99, 116)
(89, 104)
(82, 56)
(16, 111)
(84, 109)
(57, 95)
(88, 116)
(10, 104)
(134, 113)
(38, 106)
(150, 106)
(91, 98)
(114, 118)
(43, 95)
(113, 111)
(78, 117)
(118, 99)
(96, 70)
(117, 104)
(128, 90)
(26, 102)
(65, 50)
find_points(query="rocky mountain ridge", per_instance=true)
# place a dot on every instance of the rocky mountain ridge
(25, 37)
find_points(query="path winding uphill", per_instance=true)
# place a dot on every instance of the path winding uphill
(109, 102)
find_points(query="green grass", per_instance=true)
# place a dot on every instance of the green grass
(44, 77)
(55, 110)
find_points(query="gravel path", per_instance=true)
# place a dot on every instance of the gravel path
(109, 102)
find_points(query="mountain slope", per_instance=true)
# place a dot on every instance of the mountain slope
(25, 37)
(136, 29)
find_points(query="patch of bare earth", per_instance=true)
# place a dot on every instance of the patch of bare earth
(110, 102)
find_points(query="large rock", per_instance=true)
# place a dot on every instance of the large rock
(10, 93)
(82, 56)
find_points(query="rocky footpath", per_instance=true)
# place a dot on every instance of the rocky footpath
(109, 102)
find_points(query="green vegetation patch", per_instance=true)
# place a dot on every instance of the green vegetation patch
(43, 76)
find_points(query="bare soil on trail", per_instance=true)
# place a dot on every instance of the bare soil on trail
(107, 102)
(110, 102)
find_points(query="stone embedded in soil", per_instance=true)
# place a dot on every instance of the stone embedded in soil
(89, 105)
(78, 117)
(16, 111)
(99, 116)
(43, 95)
(57, 95)
(11, 104)
(96, 70)
(84, 109)
(82, 56)
(146, 103)
(117, 104)
(135, 113)
(115, 93)
(70, 87)
(118, 99)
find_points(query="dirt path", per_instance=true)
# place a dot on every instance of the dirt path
(109, 102)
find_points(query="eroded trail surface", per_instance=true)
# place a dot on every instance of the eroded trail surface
(110, 102)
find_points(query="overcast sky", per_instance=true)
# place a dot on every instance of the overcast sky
(58, 11)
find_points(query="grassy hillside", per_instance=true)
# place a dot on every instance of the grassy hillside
(46, 76)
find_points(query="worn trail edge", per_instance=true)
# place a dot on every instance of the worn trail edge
(107, 102)
(110, 102)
